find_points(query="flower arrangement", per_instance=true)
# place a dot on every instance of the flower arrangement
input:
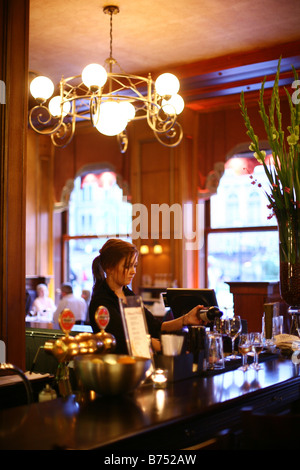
(283, 174)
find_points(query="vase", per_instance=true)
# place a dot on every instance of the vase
(289, 251)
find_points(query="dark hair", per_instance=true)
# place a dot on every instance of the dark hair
(66, 287)
(112, 252)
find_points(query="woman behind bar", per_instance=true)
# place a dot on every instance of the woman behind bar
(113, 270)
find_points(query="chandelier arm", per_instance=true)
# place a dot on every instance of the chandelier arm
(59, 138)
(176, 132)
(42, 121)
(73, 94)
(94, 107)
(116, 78)
(122, 97)
(130, 78)
(123, 141)
(160, 124)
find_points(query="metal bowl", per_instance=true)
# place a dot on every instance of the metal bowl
(110, 374)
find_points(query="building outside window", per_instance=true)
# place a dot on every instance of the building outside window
(97, 211)
(241, 237)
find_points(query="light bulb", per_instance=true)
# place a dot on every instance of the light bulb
(55, 107)
(167, 84)
(174, 105)
(41, 88)
(94, 75)
(110, 120)
(128, 109)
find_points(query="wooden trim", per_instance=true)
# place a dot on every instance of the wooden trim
(14, 59)
(239, 59)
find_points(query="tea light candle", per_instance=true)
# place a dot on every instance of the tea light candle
(159, 378)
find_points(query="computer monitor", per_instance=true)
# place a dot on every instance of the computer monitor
(182, 300)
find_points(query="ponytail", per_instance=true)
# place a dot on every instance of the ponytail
(98, 272)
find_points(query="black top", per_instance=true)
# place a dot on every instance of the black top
(103, 295)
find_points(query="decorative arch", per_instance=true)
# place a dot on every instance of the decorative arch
(100, 167)
(212, 181)
(243, 147)
(213, 178)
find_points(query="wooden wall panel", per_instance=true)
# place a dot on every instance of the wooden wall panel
(161, 175)
(14, 21)
(39, 207)
(88, 147)
(219, 132)
(45, 214)
(155, 190)
(31, 205)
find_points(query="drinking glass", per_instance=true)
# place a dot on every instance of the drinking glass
(215, 355)
(219, 325)
(245, 347)
(257, 347)
(233, 327)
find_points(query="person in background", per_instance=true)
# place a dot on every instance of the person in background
(28, 302)
(113, 270)
(42, 302)
(68, 300)
(86, 295)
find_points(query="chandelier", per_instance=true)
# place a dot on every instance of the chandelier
(110, 100)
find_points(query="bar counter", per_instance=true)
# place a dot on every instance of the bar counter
(186, 413)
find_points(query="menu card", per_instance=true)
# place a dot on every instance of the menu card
(135, 326)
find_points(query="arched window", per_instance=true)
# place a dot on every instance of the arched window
(98, 210)
(232, 209)
(254, 204)
(241, 239)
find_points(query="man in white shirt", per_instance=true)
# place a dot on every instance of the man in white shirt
(68, 300)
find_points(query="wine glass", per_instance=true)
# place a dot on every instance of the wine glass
(219, 325)
(257, 347)
(233, 328)
(245, 347)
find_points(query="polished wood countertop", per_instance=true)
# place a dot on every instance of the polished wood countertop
(186, 412)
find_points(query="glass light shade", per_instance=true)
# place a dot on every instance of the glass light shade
(128, 109)
(157, 249)
(167, 84)
(174, 105)
(144, 249)
(41, 88)
(55, 107)
(110, 120)
(94, 75)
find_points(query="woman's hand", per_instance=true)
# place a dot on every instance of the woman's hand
(190, 318)
(193, 317)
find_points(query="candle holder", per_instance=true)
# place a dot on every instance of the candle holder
(159, 378)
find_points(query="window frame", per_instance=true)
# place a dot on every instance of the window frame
(208, 230)
(66, 237)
